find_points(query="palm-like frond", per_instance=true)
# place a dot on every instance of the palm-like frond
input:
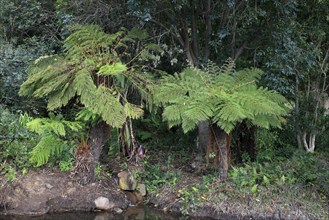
(89, 53)
(221, 95)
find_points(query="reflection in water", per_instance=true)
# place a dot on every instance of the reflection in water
(132, 213)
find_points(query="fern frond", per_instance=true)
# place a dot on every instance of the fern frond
(62, 97)
(169, 90)
(248, 75)
(48, 146)
(112, 69)
(221, 95)
(41, 74)
(173, 114)
(137, 34)
(107, 106)
(199, 111)
(86, 115)
(188, 124)
(56, 83)
(225, 125)
(133, 111)
(52, 131)
(45, 125)
(85, 86)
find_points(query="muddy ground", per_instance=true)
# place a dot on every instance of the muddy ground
(44, 191)
(49, 191)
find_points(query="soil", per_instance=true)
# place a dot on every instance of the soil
(47, 191)
(51, 191)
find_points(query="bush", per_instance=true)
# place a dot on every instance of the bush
(16, 143)
(311, 170)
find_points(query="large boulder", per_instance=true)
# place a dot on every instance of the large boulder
(103, 203)
(126, 181)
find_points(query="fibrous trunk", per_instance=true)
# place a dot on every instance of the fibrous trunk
(203, 138)
(99, 135)
(223, 142)
(128, 140)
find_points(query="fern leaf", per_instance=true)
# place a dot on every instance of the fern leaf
(221, 95)
(112, 69)
(108, 107)
(173, 113)
(48, 145)
(188, 124)
(86, 115)
(137, 34)
(133, 111)
(225, 125)
(56, 83)
(62, 97)
(199, 111)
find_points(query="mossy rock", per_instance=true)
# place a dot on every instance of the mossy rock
(127, 181)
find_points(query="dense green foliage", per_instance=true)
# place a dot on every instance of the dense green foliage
(53, 132)
(221, 95)
(16, 143)
(86, 52)
(71, 64)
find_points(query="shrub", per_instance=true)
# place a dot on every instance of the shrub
(16, 143)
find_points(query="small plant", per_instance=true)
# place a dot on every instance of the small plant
(66, 165)
(250, 176)
(192, 196)
(99, 172)
(156, 175)
(10, 172)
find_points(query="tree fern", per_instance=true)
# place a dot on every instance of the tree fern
(89, 54)
(52, 143)
(221, 95)
(92, 71)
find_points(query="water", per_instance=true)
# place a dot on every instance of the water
(133, 213)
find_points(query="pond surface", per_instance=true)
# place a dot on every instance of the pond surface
(133, 213)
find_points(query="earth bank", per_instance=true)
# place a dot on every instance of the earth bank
(45, 191)
(52, 191)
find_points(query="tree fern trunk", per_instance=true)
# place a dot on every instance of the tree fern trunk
(203, 138)
(99, 134)
(224, 150)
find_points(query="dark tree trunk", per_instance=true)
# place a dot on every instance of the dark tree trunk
(246, 141)
(223, 142)
(203, 136)
(99, 135)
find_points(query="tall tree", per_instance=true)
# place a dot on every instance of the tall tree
(29, 29)
(92, 72)
(221, 96)
(299, 64)
(213, 30)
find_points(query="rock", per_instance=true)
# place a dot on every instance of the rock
(103, 203)
(142, 189)
(135, 198)
(127, 181)
(71, 190)
(118, 210)
(49, 186)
